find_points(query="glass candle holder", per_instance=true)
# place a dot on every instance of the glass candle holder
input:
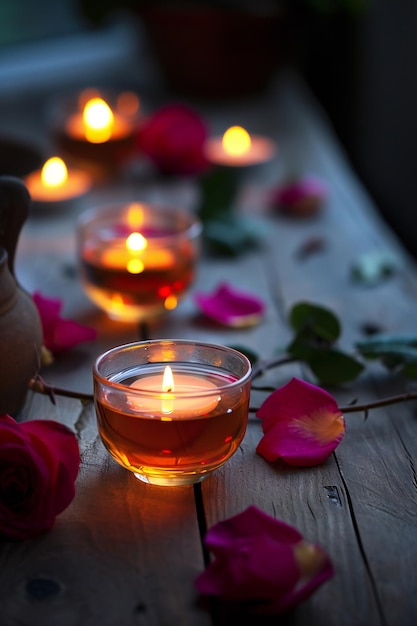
(172, 411)
(137, 261)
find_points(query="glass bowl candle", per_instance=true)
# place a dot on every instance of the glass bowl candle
(137, 260)
(172, 411)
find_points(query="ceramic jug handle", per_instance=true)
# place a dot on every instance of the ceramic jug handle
(15, 203)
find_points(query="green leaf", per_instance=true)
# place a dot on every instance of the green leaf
(374, 267)
(315, 319)
(218, 190)
(379, 341)
(231, 235)
(410, 370)
(303, 346)
(332, 367)
(393, 350)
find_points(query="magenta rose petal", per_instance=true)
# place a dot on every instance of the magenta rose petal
(302, 424)
(301, 197)
(231, 307)
(263, 562)
(59, 334)
(68, 334)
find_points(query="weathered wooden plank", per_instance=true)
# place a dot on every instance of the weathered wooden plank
(376, 466)
(120, 553)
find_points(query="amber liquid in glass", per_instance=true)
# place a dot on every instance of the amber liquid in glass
(178, 451)
(137, 296)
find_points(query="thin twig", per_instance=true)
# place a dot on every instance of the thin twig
(38, 385)
(355, 408)
(403, 397)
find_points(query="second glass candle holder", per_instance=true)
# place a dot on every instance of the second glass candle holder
(137, 260)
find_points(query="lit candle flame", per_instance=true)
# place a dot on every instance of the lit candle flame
(167, 387)
(168, 379)
(236, 141)
(135, 243)
(54, 172)
(98, 120)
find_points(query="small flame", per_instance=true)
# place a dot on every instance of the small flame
(98, 120)
(136, 242)
(167, 387)
(168, 379)
(236, 141)
(54, 172)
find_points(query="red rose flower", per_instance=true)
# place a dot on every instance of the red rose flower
(173, 138)
(39, 462)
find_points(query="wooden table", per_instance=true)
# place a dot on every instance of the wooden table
(127, 553)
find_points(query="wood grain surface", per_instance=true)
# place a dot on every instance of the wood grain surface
(127, 553)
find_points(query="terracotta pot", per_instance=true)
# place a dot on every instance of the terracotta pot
(20, 324)
(205, 51)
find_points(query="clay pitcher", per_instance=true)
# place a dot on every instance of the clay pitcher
(20, 324)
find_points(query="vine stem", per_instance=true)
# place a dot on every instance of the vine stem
(403, 397)
(38, 385)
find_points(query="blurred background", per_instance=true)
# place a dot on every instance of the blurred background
(358, 56)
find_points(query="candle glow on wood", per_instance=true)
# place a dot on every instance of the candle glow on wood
(166, 404)
(237, 148)
(54, 182)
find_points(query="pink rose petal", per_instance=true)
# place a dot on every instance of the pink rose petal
(59, 334)
(302, 197)
(302, 424)
(260, 559)
(231, 307)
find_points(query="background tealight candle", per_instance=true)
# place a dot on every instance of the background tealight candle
(96, 129)
(56, 183)
(97, 123)
(237, 148)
